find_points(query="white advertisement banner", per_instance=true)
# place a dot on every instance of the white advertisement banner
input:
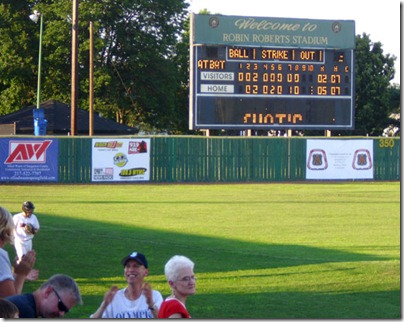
(339, 159)
(120, 160)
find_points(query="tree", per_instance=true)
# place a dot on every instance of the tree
(141, 65)
(138, 47)
(17, 72)
(373, 72)
(136, 79)
(375, 97)
(182, 61)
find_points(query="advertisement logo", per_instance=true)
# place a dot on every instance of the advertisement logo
(362, 160)
(123, 160)
(27, 152)
(317, 160)
(132, 172)
(137, 147)
(108, 145)
(120, 159)
(103, 173)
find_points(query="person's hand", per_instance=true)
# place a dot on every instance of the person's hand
(108, 297)
(32, 275)
(30, 229)
(147, 291)
(26, 263)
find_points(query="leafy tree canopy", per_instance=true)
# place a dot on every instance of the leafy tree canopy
(373, 73)
(136, 76)
(141, 63)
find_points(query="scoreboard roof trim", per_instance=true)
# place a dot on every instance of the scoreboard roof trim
(271, 31)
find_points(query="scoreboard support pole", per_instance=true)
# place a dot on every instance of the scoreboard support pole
(206, 132)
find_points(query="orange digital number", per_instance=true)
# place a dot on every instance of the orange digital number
(335, 90)
(322, 90)
(322, 78)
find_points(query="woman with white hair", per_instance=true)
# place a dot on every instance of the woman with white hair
(179, 272)
(12, 284)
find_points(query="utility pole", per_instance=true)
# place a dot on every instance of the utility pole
(91, 89)
(75, 65)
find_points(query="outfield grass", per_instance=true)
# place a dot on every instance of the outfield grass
(320, 250)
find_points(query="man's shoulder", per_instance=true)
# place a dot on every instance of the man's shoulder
(3, 253)
(21, 298)
(157, 297)
(25, 303)
(34, 218)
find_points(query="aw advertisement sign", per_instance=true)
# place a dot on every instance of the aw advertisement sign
(339, 159)
(23, 160)
(120, 160)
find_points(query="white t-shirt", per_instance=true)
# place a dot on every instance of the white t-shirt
(123, 308)
(5, 266)
(19, 232)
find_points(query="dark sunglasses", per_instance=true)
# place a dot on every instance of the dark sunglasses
(61, 306)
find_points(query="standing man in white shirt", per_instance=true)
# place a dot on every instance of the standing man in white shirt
(136, 301)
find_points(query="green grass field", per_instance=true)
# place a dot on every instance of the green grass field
(319, 250)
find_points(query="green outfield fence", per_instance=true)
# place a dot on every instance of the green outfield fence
(223, 159)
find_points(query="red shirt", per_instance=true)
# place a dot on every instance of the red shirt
(172, 306)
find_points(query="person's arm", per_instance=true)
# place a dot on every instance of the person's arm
(36, 225)
(7, 288)
(148, 292)
(174, 309)
(108, 297)
(13, 285)
(155, 310)
(22, 269)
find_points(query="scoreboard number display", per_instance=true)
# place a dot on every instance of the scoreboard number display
(271, 85)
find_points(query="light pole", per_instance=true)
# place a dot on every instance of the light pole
(34, 17)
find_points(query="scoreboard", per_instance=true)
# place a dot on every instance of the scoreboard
(263, 86)
(251, 87)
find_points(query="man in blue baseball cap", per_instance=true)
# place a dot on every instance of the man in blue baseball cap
(139, 257)
(137, 300)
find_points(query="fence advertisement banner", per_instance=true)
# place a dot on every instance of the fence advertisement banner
(26, 160)
(120, 160)
(339, 159)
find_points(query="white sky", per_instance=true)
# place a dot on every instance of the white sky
(379, 19)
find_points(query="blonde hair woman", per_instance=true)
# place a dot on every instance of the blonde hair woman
(12, 284)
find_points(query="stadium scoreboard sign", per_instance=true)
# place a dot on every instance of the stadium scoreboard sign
(271, 73)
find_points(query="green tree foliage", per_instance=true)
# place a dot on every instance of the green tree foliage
(136, 52)
(141, 63)
(373, 73)
(395, 98)
(17, 67)
(375, 97)
(137, 79)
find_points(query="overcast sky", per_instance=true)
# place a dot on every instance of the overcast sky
(379, 19)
